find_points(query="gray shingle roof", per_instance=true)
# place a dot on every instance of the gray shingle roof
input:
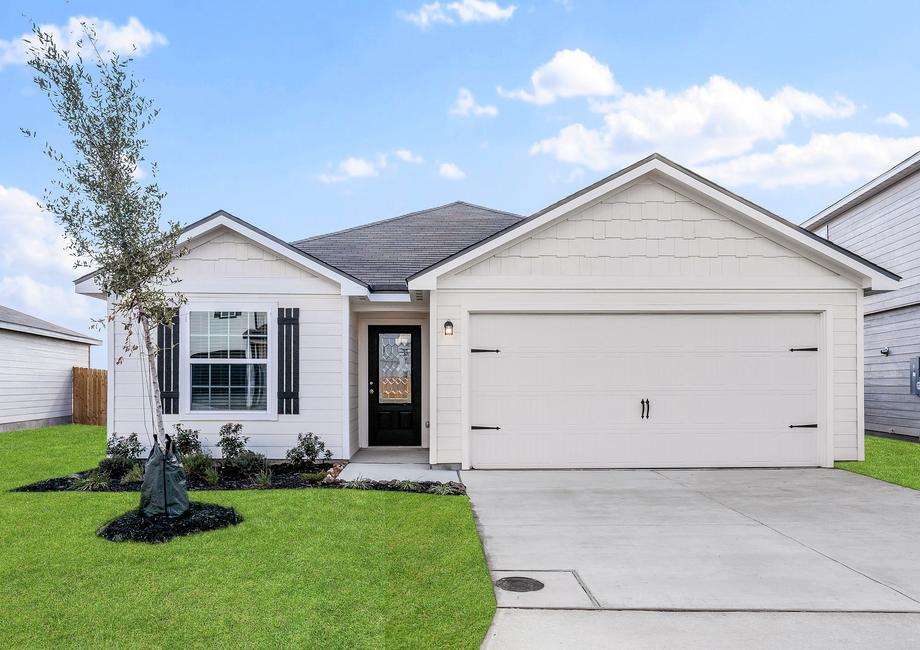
(12, 319)
(385, 253)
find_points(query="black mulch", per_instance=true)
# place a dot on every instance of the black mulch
(135, 527)
(284, 477)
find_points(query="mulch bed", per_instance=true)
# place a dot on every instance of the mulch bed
(200, 517)
(284, 477)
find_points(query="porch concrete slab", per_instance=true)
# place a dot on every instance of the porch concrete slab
(515, 629)
(561, 589)
(391, 455)
(704, 540)
(397, 472)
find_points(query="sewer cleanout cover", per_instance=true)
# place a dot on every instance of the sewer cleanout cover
(518, 583)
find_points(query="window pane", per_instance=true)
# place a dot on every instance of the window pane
(395, 368)
(228, 334)
(234, 387)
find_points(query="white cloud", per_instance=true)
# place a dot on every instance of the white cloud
(466, 105)
(408, 156)
(463, 11)
(826, 159)
(696, 125)
(893, 119)
(36, 269)
(131, 38)
(450, 171)
(570, 73)
(353, 167)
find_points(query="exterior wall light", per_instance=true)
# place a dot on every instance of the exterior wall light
(885, 350)
(448, 328)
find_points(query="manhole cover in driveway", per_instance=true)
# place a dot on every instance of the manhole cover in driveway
(518, 583)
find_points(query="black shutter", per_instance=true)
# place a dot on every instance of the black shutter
(168, 365)
(289, 361)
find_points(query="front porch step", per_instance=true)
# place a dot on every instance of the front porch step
(386, 455)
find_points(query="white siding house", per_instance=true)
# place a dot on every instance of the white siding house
(37, 370)
(651, 320)
(881, 222)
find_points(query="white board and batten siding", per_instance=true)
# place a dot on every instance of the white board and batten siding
(886, 229)
(224, 268)
(36, 378)
(649, 249)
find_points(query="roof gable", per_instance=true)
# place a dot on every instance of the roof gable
(695, 186)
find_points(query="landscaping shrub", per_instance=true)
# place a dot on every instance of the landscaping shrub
(308, 448)
(211, 476)
(125, 446)
(116, 467)
(263, 478)
(232, 441)
(313, 477)
(197, 464)
(360, 483)
(92, 482)
(187, 441)
(135, 475)
(243, 465)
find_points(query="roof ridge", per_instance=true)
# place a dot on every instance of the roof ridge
(402, 216)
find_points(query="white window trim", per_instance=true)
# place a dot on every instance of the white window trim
(185, 386)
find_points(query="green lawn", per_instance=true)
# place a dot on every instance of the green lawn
(307, 568)
(894, 461)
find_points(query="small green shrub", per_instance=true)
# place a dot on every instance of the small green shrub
(136, 475)
(444, 489)
(197, 463)
(92, 482)
(313, 477)
(263, 478)
(360, 483)
(187, 441)
(232, 441)
(245, 464)
(211, 476)
(309, 447)
(115, 467)
(125, 446)
(408, 486)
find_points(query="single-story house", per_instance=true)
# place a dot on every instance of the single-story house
(881, 221)
(652, 319)
(36, 376)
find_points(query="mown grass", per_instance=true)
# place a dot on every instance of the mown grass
(893, 461)
(307, 568)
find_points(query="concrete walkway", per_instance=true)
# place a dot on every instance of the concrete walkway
(395, 464)
(724, 558)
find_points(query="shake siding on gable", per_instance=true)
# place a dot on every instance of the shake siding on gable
(886, 230)
(646, 248)
(227, 269)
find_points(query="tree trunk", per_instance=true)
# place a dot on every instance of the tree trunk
(157, 406)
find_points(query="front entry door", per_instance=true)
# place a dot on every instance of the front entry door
(394, 381)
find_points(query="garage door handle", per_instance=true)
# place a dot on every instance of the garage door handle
(648, 409)
(643, 409)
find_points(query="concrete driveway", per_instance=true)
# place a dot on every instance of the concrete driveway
(760, 558)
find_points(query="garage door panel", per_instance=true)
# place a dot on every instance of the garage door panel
(566, 390)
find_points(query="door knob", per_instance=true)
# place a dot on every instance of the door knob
(371, 391)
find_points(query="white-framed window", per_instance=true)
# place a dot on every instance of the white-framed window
(229, 361)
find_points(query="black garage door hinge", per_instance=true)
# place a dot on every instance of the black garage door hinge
(803, 426)
(803, 349)
(479, 428)
(484, 350)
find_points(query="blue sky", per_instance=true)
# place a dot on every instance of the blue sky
(309, 117)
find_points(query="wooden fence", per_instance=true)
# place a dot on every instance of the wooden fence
(89, 396)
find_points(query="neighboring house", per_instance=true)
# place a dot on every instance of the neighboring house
(652, 319)
(37, 370)
(881, 221)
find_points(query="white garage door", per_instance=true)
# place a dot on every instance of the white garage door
(720, 390)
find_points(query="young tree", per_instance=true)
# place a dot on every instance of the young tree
(110, 218)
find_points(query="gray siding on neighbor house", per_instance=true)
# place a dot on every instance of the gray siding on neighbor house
(886, 230)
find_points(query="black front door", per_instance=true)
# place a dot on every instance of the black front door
(394, 381)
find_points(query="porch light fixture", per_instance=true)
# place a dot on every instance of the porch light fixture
(448, 328)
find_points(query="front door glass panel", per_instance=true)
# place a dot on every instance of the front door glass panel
(395, 368)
